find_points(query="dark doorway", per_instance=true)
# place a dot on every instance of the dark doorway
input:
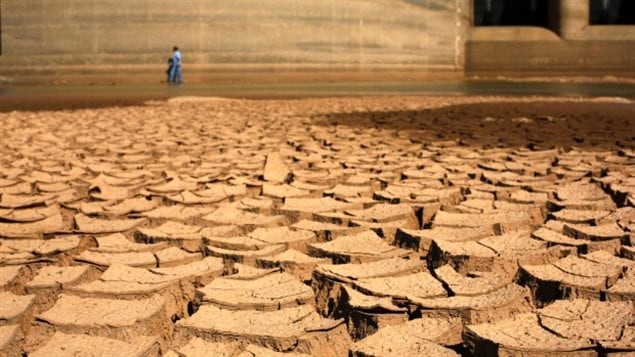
(511, 13)
(612, 12)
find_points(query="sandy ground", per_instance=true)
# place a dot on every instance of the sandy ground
(368, 226)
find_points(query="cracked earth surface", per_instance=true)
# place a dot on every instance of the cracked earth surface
(395, 226)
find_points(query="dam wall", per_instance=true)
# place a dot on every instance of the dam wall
(112, 40)
(359, 35)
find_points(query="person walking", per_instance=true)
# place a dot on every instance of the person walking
(176, 76)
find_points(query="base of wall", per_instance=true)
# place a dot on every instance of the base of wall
(221, 73)
(155, 74)
(538, 58)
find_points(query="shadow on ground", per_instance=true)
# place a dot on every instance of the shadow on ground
(541, 124)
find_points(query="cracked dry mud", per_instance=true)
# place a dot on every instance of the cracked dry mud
(404, 226)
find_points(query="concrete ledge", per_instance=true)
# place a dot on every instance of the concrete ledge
(609, 33)
(562, 57)
(511, 33)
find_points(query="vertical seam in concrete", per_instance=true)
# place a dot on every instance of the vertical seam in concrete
(457, 34)
(0, 27)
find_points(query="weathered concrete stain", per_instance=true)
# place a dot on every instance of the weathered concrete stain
(432, 4)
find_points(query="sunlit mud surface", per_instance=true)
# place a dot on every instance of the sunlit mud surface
(394, 226)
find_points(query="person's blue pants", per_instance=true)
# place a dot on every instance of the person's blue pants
(175, 75)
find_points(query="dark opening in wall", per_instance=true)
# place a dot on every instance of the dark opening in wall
(511, 13)
(612, 12)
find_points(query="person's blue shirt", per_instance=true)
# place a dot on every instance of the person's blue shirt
(176, 57)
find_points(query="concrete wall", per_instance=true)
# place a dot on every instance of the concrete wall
(337, 33)
(234, 37)
(569, 46)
